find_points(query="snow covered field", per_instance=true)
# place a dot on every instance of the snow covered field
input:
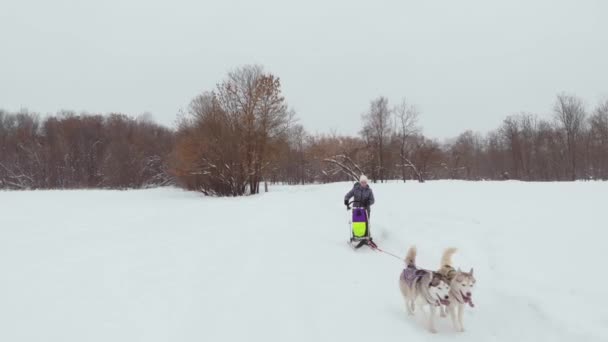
(169, 265)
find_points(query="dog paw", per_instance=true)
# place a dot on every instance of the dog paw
(461, 329)
(433, 330)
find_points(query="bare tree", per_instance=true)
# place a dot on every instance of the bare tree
(570, 113)
(345, 164)
(518, 133)
(252, 99)
(406, 116)
(229, 141)
(208, 154)
(425, 154)
(377, 130)
(297, 141)
(463, 157)
(598, 132)
(349, 151)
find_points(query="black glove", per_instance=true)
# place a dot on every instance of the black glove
(346, 202)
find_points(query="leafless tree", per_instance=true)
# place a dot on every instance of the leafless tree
(598, 132)
(463, 157)
(406, 116)
(426, 156)
(345, 164)
(518, 132)
(570, 113)
(377, 130)
(234, 134)
(252, 99)
(297, 143)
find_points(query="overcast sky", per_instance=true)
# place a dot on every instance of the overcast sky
(465, 64)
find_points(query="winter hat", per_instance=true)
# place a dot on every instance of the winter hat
(363, 179)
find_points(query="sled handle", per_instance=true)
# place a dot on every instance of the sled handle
(348, 207)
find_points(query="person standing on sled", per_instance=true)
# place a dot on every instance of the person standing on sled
(363, 197)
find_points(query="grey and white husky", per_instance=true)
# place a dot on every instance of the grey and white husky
(423, 287)
(461, 289)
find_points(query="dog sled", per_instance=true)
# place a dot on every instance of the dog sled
(358, 225)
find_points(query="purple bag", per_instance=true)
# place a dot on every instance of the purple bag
(359, 215)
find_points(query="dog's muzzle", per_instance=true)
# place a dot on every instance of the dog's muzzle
(468, 299)
(443, 301)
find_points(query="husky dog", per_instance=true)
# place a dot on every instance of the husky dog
(424, 287)
(461, 289)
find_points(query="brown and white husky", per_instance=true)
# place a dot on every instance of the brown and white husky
(461, 289)
(423, 287)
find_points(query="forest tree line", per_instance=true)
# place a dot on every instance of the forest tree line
(238, 137)
(69, 151)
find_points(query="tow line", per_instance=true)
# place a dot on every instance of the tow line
(378, 249)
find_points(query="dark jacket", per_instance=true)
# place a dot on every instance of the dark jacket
(364, 197)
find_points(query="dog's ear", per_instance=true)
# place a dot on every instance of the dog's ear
(471, 273)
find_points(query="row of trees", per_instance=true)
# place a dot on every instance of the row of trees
(242, 134)
(82, 151)
(573, 145)
(570, 145)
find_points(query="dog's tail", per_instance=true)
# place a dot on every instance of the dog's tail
(446, 258)
(410, 258)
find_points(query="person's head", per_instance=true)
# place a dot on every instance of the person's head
(363, 181)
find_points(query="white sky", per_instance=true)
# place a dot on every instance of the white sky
(466, 64)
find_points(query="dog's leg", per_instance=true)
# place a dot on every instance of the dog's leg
(432, 319)
(412, 299)
(452, 309)
(461, 316)
(443, 311)
(408, 303)
(412, 306)
(408, 307)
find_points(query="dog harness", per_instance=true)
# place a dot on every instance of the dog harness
(411, 275)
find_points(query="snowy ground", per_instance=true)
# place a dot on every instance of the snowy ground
(168, 265)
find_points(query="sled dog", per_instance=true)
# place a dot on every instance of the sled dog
(422, 287)
(461, 289)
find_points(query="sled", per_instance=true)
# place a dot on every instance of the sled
(358, 224)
